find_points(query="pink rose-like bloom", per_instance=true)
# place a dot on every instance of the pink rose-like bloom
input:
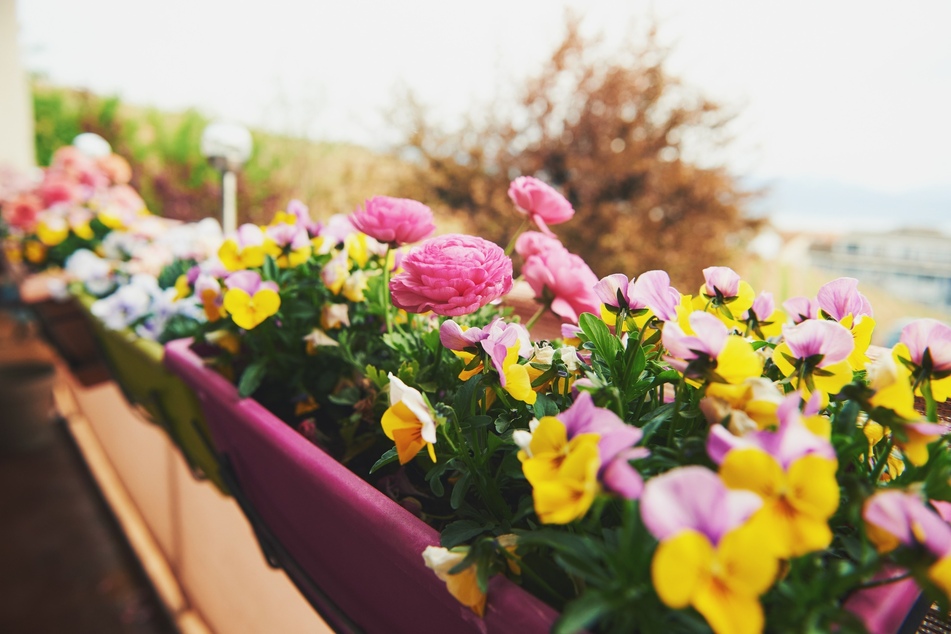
(58, 189)
(533, 243)
(395, 221)
(932, 336)
(452, 275)
(540, 202)
(22, 212)
(568, 279)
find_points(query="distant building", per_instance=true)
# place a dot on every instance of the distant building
(914, 264)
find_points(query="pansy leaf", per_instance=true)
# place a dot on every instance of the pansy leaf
(582, 613)
(460, 532)
(464, 403)
(654, 419)
(251, 377)
(597, 332)
(390, 456)
(459, 491)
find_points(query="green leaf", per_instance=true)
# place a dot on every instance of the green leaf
(597, 332)
(459, 491)
(388, 457)
(269, 270)
(654, 419)
(459, 532)
(466, 397)
(581, 613)
(251, 377)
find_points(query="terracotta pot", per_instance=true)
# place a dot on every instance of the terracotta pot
(355, 554)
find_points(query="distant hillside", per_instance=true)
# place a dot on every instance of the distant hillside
(816, 205)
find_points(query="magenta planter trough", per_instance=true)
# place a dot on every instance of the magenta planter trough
(354, 553)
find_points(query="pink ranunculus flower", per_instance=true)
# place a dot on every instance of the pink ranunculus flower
(452, 275)
(532, 243)
(23, 212)
(395, 221)
(540, 202)
(58, 189)
(564, 278)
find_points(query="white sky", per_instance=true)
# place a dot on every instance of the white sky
(851, 91)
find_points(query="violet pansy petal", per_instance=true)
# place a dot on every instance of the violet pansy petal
(609, 288)
(928, 334)
(723, 279)
(621, 478)
(840, 298)
(652, 289)
(453, 337)
(800, 309)
(248, 281)
(827, 338)
(710, 331)
(694, 498)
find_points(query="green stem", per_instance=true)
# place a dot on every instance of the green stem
(387, 300)
(883, 582)
(619, 325)
(535, 317)
(882, 461)
(931, 406)
(527, 570)
(674, 419)
(518, 232)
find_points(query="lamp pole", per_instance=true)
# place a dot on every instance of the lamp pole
(227, 146)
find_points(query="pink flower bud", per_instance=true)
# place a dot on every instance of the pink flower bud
(395, 221)
(540, 201)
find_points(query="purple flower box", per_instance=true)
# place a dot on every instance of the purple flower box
(353, 550)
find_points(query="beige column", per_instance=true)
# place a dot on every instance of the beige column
(16, 106)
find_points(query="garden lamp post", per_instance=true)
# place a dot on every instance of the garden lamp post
(92, 145)
(227, 146)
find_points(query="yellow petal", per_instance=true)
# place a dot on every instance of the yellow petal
(398, 416)
(728, 612)
(753, 470)
(840, 377)
(267, 301)
(238, 303)
(862, 335)
(813, 489)
(681, 565)
(518, 384)
(747, 569)
(738, 361)
(550, 436)
(940, 574)
(779, 358)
